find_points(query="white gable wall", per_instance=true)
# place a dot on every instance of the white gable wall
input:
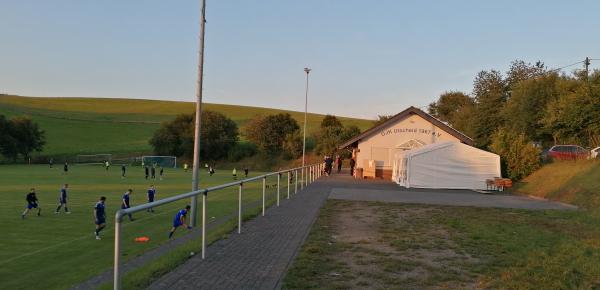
(382, 145)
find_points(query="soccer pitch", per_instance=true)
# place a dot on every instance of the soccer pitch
(56, 251)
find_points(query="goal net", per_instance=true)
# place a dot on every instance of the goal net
(93, 158)
(162, 161)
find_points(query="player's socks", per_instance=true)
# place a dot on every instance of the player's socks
(22, 216)
(171, 234)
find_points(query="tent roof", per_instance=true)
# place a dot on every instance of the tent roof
(440, 145)
(405, 114)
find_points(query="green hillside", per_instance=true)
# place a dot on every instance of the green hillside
(103, 125)
(567, 181)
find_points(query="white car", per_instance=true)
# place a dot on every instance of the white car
(595, 153)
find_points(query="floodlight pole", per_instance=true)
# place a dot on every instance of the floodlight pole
(307, 70)
(196, 165)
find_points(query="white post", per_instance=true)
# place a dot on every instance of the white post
(117, 262)
(302, 179)
(240, 209)
(278, 179)
(196, 164)
(263, 196)
(288, 185)
(296, 186)
(204, 224)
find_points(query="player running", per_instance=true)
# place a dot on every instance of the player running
(180, 220)
(31, 203)
(125, 202)
(151, 193)
(62, 199)
(99, 216)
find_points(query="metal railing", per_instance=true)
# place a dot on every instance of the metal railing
(309, 172)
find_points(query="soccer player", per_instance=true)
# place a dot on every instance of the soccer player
(31, 203)
(123, 170)
(51, 162)
(153, 172)
(151, 193)
(180, 220)
(185, 167)
(146, 171)
(234, 173)
(211, 171)
(66, 168)
(99, 216)
(162, 170)
(246, 171)
(62, 199)
(106, 164)
(125, 202)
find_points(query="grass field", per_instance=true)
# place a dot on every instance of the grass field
(361, 245)
(55, 251)
(99, 125)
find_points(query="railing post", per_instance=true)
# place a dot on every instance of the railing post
(263, 197)
(288, 185)
(278, 180)
(296, 186)
(302, 179)
(204, 224)
(117, 262)
(240, 209)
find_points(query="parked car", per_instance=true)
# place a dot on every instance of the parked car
(568, 152)
(595, 153)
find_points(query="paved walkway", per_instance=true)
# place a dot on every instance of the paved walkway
(259, 256)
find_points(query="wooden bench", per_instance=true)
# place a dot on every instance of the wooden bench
(498, 183)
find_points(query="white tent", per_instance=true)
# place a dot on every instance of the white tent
(452, 165)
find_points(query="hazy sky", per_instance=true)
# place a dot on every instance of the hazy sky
(368, 57)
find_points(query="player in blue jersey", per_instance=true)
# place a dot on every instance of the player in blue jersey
(99, 216)
(31, 203)
(62, 199)
(151, 193)
(180, 220)
(125, 202)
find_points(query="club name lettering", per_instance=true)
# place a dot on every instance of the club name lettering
(409, 130)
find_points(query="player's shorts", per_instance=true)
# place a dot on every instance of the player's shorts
(32, 205)
(176, 224)
(151, 199)
(62, 200)
(100, 221)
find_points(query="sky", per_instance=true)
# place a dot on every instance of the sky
(368, 58)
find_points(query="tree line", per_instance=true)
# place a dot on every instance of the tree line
(521, 111)
(271, 135)
(19, 137)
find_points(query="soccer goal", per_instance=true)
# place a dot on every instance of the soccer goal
(93, 158)
(162, 161)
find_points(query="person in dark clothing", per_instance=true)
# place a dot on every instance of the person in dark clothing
(66, 168)
(51, 162)
(352, 164)
(146, 170)
(151, 194)
(328, 165)
(153, 172)
(246, 171)
(125, 202)
(99, 216)
(338, 162)
(123, 170)
(32, 202)
(62, 199)
(162, 170)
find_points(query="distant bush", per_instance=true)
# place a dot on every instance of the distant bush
(519, 156)
(240, 151)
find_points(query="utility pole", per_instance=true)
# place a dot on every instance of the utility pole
(586, 62)
(196, 165)
(307, 70)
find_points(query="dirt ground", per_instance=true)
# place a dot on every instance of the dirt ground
(383, 248)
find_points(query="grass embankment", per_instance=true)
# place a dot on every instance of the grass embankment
(567, 181)
(377, 245)
(99, 125)
(59, 250)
